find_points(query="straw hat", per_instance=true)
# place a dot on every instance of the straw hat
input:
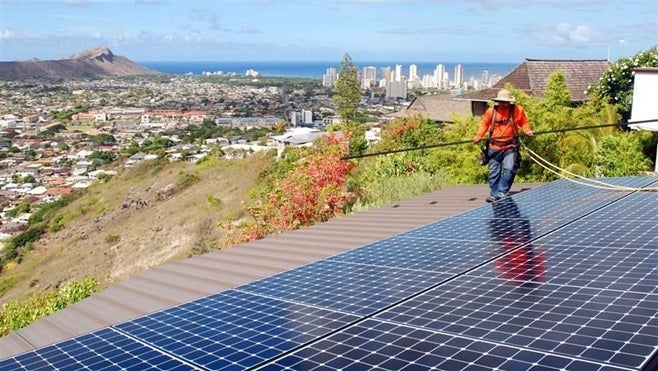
(504, 95)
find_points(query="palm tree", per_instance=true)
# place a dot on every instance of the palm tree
(280, 126)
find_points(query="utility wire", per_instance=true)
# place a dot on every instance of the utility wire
(471, 141)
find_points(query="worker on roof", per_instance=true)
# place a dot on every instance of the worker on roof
(503, 121)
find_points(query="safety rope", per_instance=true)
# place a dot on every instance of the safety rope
(562, 173)
(623, 124)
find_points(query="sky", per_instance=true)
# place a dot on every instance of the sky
(506, 31)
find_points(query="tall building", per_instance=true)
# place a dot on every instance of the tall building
(485, 78)
(295, 120)
(386, 73)
(396, 89)
(398, 72)
(369, 77)
(307, 117)
(413, 72)
(329, 78)
(439, 76)
(459, 76)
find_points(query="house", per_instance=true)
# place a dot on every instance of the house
(644, 109)
(440, 108)
(299, 136)
(531, 77)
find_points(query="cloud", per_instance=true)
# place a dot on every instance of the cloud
(565, 33)
(77, 2)
(250, 31)
(208, 16)
(6, 35)
(453, 30)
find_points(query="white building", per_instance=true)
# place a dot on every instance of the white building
(644, 108)
(369, 77)
(329, 78)
(396, 89)
(307, 117)
(459, 76)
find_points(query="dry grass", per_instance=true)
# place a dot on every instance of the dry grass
(137, 220)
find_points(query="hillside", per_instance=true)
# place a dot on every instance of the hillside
(136, 220)
(90, 64)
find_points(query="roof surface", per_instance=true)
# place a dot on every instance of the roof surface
(440, 108)
(532, 77)
(562, 276)
(175, 283)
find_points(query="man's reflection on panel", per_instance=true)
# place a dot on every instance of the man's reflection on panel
(521, 262)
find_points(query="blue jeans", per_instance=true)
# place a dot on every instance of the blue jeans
(502, 169)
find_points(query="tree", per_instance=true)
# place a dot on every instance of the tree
(347, 98)
(309, 187)
(348, 93)
(616, 84)
(280, 126)
(103, 139)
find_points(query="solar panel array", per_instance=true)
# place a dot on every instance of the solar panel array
(560, 277)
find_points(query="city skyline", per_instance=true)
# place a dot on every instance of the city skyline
(280, 30)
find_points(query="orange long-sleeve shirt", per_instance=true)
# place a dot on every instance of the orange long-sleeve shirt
(502, 130)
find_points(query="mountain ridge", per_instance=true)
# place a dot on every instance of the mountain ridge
(94, 63)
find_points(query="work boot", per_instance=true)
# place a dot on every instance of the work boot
(491, 199)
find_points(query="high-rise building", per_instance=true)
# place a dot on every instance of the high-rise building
(485, 78)
(396, 89)
(413, 72)
(369, 77)
(329, 78)
(398, 72)
(307, 116)
(439, 76)
(459, 76)
(294, 118)
(386, 73)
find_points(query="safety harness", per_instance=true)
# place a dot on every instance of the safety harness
(510, 120)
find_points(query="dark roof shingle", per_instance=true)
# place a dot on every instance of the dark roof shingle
(532, 76)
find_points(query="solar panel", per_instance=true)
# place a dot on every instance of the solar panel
(382, 345)
(559, 277)
(353, 288)
(233, 329)
(106, 349)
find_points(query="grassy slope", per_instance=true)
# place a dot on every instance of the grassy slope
(107, 236)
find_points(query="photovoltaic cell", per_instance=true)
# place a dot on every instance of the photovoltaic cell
(492, 230)
(381, 345)
(233, 329)
(106, 349)
(604, 232)
(598, 325)
(424, 254)
(559, 277)
(353, 288)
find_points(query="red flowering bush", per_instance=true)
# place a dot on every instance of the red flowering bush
(314, 190)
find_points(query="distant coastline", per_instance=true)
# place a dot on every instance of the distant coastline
(315, 69)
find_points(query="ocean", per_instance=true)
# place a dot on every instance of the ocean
(315, 69)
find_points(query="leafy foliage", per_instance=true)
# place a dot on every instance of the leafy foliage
(15, 315)
(616, 84)
(348, 92)
(313, 190)
(620, 155)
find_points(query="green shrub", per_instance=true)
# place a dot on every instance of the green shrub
(18, 314)
(111, 239)
(6, 284)
(387, 190)
(184, 180)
